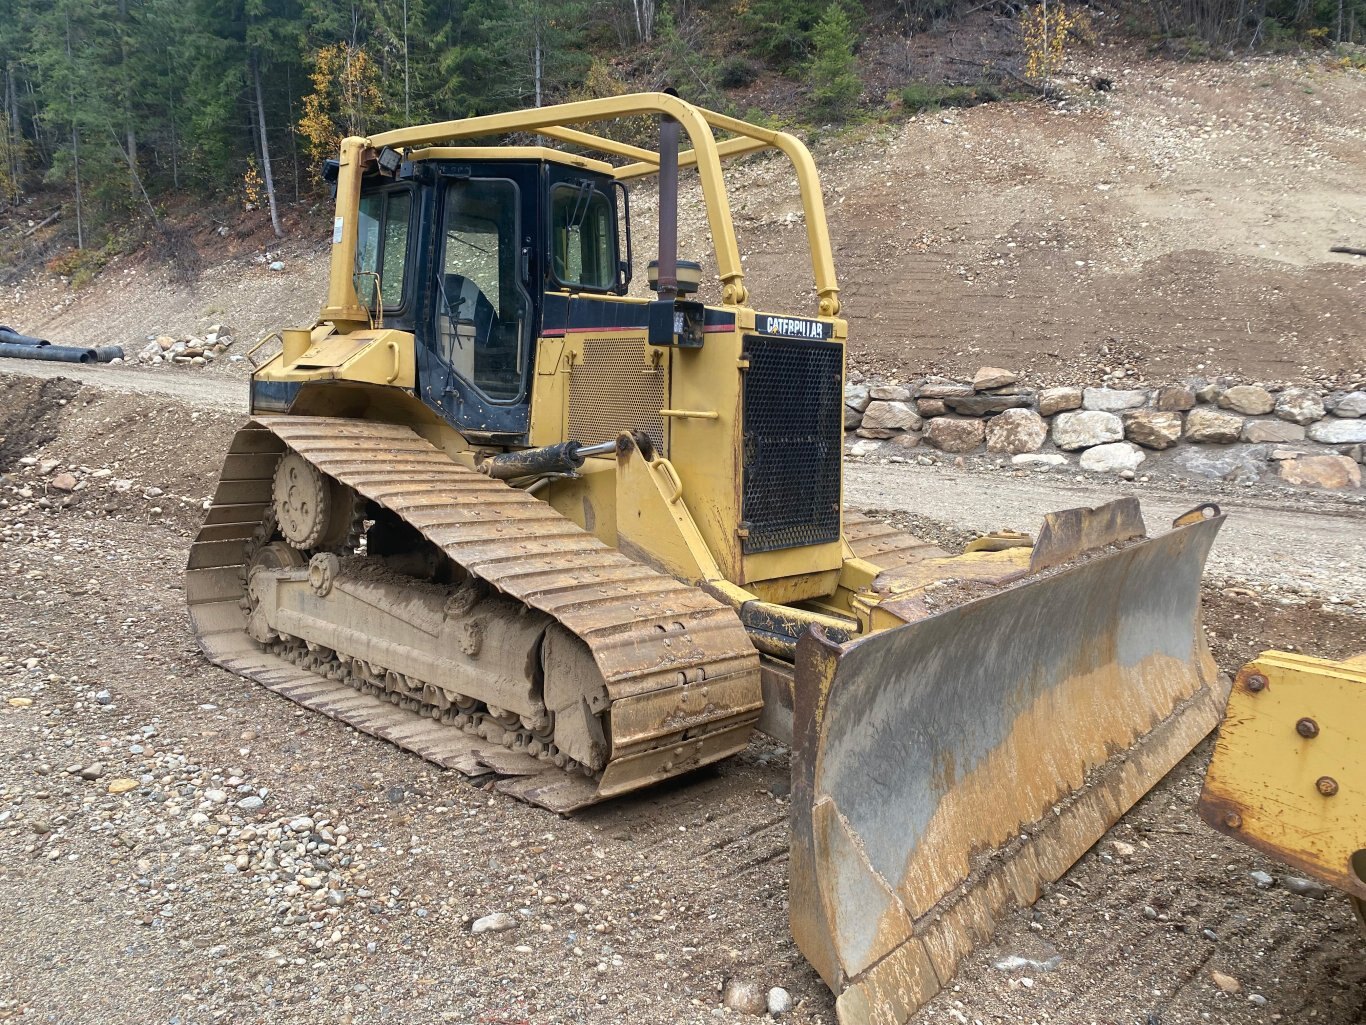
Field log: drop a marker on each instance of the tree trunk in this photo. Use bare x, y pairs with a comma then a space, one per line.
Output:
293, 135
407, 86
265, 147
127, 90
170, 102
538, 65
75, 149
76, 163
16, 146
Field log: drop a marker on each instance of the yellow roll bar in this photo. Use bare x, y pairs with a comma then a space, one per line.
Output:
556, 123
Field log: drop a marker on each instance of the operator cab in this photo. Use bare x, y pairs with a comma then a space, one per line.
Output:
469, 254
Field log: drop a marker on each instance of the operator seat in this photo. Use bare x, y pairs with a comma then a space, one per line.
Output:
465, 323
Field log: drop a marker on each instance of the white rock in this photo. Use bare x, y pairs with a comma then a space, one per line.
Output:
779, 1001
1039, 459
1112, 458
1338, 432
1112, 400
1351, 405
1072, 431
497, 922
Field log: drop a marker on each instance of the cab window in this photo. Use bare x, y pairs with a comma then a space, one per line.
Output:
481, 303
382, 247
582, 244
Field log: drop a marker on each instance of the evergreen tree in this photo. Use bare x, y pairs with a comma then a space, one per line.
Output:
833, 75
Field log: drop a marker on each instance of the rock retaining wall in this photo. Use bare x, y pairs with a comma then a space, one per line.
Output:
1217, 429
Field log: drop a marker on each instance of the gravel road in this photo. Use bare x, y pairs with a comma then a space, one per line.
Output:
202, 390
1299, 543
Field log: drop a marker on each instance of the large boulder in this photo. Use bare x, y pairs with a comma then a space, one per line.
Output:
1351, 405
1112, 458
1174, 398
1271, 432
1248, 399
856, 396
1112, 400
1153, 428
1321, 472
1338, 432
992, 377
1072, 431
1211, 427
1059, 400
941, 388
852, 418
985, 405
889, 393
1237, 463
1016, 431
891, 416
951, 434
1299, 406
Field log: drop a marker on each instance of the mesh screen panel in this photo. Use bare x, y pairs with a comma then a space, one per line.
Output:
793, 433
615, 390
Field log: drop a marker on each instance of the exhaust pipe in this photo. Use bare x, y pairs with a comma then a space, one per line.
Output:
668, 209
51, 353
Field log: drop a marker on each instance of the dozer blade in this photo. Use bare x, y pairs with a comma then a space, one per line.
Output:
945, 770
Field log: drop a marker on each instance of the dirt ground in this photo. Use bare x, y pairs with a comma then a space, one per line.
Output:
160, 904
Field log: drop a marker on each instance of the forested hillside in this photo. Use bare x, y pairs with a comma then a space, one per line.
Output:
117, 110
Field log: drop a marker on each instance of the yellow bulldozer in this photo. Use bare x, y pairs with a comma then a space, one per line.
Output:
499, 511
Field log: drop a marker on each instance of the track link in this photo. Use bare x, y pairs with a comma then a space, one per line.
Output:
681, 676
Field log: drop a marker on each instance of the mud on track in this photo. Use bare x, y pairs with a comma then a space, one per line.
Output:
123, 910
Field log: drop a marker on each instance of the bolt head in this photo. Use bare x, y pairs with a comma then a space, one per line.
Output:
1326, 785
1256, 682
1307, 728
1233, 820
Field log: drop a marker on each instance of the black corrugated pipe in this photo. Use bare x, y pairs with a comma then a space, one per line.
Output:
668, 208
52, 353
105, 353
9, 336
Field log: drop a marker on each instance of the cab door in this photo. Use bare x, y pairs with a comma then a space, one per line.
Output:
474, 356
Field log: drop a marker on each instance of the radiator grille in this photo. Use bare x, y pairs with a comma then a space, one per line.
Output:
793, 431
615, 390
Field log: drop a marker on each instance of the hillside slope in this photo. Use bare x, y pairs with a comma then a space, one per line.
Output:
1178, 224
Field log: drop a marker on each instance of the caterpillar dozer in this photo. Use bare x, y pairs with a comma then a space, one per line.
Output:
499, 511
1286, 777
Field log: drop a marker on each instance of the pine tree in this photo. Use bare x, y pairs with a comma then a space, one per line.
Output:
833, 75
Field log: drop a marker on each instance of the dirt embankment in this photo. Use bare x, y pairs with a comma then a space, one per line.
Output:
270, 865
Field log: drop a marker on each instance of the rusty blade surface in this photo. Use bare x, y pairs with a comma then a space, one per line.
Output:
944, 770
676, 662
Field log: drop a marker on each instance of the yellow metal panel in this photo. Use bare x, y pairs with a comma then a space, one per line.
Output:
590, 500
708, 452
654, 522
1288, 775
368, 357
